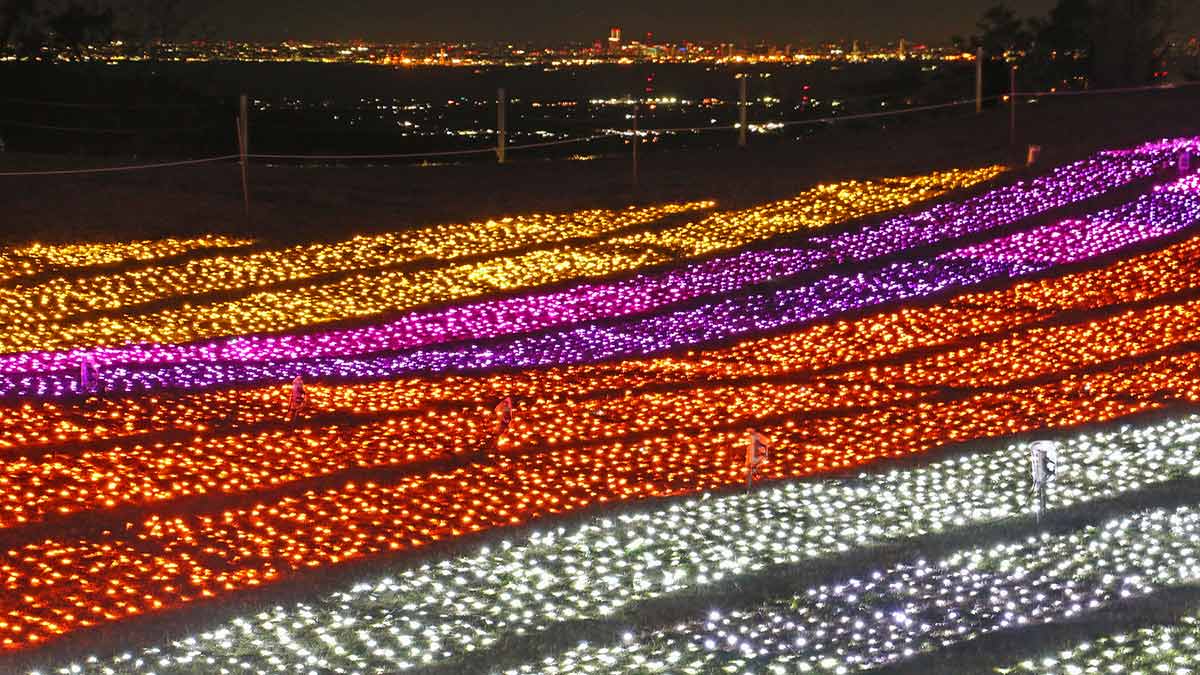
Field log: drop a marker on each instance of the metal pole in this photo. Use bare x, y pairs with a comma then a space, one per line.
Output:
637, 139
502, 125
244, 149
1041, 501
742, 113
1152, 193
979, 80
1012, 100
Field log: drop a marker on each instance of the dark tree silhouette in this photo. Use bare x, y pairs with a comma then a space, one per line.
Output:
21, 28
76, 27
1001, 32
1062, 45
1129, 39
1119, 42
1003, 37
1065, 29
146, 24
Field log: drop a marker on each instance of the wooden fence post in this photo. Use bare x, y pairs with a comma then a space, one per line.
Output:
742, 115
1012, 109
243, 134
979, 80
502, 125
637, 140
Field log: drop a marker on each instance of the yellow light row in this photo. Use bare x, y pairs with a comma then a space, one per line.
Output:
36, 258
57, 299
815, 208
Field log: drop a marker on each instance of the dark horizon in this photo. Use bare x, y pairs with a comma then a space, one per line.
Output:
550, 21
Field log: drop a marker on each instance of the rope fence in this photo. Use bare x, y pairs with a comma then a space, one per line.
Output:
1115, 90
885, 113
78, 130
245, 157
409, 155
97, 106
118, 169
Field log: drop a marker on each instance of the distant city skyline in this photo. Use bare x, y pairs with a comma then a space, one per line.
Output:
780, 21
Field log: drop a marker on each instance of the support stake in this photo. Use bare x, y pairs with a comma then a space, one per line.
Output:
637, 140
742, 116
1012, 107
502, 125
979, 80
243, 134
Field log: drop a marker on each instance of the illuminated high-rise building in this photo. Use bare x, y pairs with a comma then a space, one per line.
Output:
614, 39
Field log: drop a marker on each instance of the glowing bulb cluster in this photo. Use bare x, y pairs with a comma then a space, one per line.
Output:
221, 480
361, 294
22, 261
721, 276
725, 317
460, 605
57, 299
885, 616
1168, 649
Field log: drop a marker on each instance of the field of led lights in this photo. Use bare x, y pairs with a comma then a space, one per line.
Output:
221, 455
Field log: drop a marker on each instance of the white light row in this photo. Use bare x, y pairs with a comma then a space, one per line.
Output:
1170, 650
888, 615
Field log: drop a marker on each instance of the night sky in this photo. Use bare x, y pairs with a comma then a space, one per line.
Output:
780, 21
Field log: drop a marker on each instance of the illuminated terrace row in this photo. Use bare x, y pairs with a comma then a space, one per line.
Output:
21, 261
448, 609
995, 208
918, 607
1161, 212
1172, 649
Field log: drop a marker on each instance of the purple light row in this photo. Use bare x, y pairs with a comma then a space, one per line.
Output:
646, 292
1158, 213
